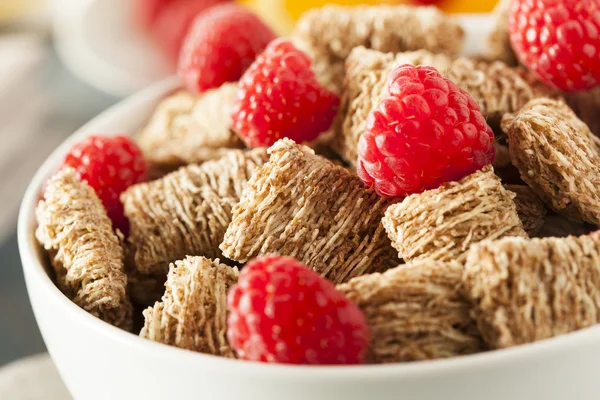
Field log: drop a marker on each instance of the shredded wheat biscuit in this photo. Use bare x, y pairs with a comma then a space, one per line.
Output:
187, 128
193, 312
415, 312
499, 47
84, 250
497, 88
330, 33
442, 224
304, 206
530, 208
185, 212
527, 290
558, 157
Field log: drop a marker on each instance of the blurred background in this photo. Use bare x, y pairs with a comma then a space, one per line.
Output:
63, 62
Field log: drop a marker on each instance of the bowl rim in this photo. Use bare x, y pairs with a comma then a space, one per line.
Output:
36, 272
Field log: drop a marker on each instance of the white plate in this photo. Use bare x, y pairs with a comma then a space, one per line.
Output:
98, 43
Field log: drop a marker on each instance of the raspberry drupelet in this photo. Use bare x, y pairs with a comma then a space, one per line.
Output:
221, 45
109, 164
279, 96
283, 312
425, 132
559, 40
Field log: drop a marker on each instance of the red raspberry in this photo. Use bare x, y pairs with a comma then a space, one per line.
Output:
109, 165
221, 45
283, 312
559, 40
425, 132
174, 22
279, 96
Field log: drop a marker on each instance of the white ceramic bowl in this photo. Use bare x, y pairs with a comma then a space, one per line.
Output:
100, 362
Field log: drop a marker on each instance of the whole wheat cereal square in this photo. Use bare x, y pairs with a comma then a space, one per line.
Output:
185, 212
558, 157
193, 312
188, 128
330, 33
442, 224
527, 290
497, 88
530, 208
85, 252
302, 205
416, 311
498, 42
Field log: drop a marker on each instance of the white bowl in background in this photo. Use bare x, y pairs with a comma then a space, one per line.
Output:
98, 42
100, 362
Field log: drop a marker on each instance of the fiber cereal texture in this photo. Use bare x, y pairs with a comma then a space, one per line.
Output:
188, 128
185, 212
193, 312
302, 205
558, 157
442, 224
84, 250
528, 290
416, 311
330, 33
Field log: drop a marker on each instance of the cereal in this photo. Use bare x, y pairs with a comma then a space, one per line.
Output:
530, 208
416, 311
187, 129
187, 211
84, 250
442, 224
330, 33
497, 88
499, 47
557, 156
527, 290
193, 312
304, 206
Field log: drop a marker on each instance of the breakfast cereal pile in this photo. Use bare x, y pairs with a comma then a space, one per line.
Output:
355, 193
